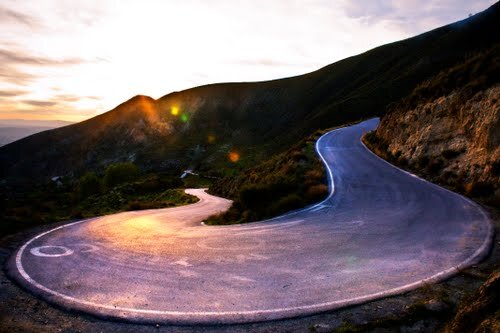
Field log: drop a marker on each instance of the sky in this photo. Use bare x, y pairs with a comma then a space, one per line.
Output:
72, 60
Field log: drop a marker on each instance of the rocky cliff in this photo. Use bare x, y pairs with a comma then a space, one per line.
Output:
448, 129
198, 128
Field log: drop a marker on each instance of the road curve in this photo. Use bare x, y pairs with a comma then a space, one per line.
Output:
381, 231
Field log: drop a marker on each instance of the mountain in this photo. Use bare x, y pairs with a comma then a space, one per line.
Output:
447, 129
15, 129
33, 123
198, 127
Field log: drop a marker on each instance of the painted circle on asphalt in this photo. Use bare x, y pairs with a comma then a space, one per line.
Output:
51, 251
249, 238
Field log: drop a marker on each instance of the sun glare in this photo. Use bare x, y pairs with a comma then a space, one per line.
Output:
234, 156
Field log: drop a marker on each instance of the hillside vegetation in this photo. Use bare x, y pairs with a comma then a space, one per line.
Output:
254, 139
198, 128
285, 182
120, 187
447, 129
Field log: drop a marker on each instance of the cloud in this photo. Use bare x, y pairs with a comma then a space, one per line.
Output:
15, 76
85, 12
8, 15
12, 93
26, 58
70, 98
59, 106
67, 98
56, 112
66, 50
265, 62
371, 9
39, 103
411, 16
95, 98
14, 62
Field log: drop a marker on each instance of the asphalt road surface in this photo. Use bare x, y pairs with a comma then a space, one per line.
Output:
381, 232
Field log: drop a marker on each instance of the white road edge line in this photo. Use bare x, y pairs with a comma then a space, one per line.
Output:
483, 250
485, 247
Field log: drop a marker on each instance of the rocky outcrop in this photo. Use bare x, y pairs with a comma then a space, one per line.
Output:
454, 140
480, 313
259, 119
448, 131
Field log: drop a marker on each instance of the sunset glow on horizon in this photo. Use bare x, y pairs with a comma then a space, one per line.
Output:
72, 60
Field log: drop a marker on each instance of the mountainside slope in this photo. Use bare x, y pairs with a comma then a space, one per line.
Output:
15, 129
198, 127
448, 128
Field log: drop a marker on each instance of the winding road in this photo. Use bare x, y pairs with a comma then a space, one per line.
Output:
380, 232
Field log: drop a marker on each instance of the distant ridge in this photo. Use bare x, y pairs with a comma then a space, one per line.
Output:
257, 118
15, 129
33, 123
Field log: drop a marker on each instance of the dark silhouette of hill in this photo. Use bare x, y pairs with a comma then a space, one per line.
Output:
199, 126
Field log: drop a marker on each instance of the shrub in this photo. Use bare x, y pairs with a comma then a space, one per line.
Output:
478, 189
141, 205
291, 201
231, 216
256, 196
434, 166
154, 184
76, 213
450, 153
495, 168
402, 161
273, 187
298, 155
253, 196
316, 192
315, 174
422, 161
89, 184
120, 173
448, 177
371, 137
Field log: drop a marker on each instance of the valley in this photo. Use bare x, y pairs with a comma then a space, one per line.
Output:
360, 197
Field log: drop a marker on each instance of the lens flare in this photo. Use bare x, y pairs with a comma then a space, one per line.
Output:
234, 156
211, 138
184, 117
174, 111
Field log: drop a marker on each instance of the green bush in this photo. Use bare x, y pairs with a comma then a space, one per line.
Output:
151, 183
120, 173
287, 203
89, 184
140, 205
317, 192
256, 196
287, 181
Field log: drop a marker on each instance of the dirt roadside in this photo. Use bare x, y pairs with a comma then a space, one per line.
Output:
424, 310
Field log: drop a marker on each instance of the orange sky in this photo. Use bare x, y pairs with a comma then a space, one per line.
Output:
72, 60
